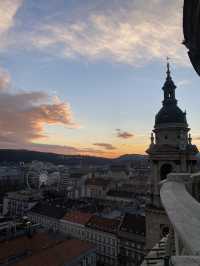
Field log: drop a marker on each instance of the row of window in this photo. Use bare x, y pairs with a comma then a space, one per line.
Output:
133, 245
45, 221
73, 230
101, 238
106, 250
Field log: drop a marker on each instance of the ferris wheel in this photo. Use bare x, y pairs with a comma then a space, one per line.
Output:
36, 176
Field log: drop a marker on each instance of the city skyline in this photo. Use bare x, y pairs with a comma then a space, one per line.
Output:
86, 78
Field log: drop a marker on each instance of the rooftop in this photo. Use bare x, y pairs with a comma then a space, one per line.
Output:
49, 209
132, 223
121, 194
42, 250
78, 217
104, 224
27, 195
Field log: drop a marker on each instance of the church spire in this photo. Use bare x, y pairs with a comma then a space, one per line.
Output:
169, 87
168, 69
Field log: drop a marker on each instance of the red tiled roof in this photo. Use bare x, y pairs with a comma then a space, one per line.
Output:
104, 224
42, 250
58, 255
78, 217
20, 244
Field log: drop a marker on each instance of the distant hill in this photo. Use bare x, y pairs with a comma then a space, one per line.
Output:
132, 157
17, 156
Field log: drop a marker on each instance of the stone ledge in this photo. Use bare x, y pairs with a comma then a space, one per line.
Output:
186, 261
183, 212
179, 177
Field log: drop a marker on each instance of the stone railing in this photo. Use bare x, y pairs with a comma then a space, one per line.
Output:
182, 246
183, 211
157, 255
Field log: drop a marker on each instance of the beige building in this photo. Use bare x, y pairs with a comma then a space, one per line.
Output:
97, 187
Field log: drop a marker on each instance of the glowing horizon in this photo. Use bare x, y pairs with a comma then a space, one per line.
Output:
86, 78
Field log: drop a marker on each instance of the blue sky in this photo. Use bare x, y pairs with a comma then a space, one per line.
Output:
86, 76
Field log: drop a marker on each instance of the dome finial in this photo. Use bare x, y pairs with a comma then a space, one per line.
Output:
168, 67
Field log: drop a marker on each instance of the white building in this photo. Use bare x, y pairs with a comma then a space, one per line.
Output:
73, 224
47, 214
103, 233
20, 202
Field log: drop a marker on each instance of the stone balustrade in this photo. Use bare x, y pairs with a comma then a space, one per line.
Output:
183, 212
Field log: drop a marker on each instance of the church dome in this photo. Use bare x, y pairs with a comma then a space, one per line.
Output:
170, 114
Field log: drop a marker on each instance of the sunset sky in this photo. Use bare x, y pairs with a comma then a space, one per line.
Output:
85, 76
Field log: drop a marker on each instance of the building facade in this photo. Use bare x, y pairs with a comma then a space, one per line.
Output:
20, 202
102, 232
132, 240
171, 150
96, 187
48, 215
73, 224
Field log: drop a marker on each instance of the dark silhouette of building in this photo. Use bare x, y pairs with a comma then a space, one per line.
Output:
191, 30
171, 150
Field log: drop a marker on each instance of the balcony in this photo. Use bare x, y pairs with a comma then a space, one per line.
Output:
182, 247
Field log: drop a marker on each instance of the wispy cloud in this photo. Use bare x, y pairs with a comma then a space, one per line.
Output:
130, 32
124, 134
183, 83
8, 10
106, 146
133, 32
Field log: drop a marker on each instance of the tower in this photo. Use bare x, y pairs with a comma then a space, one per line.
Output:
171, 150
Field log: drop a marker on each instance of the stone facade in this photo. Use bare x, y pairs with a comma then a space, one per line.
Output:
157, 226
171, 150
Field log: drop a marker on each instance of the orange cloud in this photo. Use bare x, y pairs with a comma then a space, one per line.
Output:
4, 79
23, 115
106, 146
124, 134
